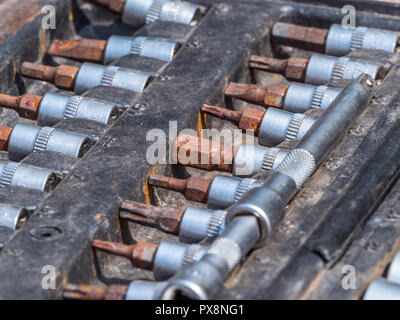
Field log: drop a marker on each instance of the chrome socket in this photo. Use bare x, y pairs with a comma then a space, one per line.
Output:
92, 75
394, 270
201, 280
200, 224
10, 216
251, 159
157, 48
322, 69
21, 175
55, 107
140, 12
171, 256
279, 125
381, 289
340, 41
26, 139
302, 97
145, 290
225, 191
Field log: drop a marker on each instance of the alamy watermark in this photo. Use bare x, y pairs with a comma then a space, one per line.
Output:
49, 21
49, 277
349, 277
349, 21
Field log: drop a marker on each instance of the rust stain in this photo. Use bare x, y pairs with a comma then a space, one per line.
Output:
147, 190
201, 123
83, 49
43, 41
307, 38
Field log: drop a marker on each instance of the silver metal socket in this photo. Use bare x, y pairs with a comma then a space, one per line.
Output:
279, 125
200, 224
26, 139
322, 69
381, 289
92, 75
394, 270
201, 280
145, 290
30, 177
239, 237
302, 97
11, 215
171, 256
225, 191
157, 48
55, 107
340, 41
140, 12
251, 159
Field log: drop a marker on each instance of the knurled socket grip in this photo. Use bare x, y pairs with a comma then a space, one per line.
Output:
250, 159
200, 224
171, 256
92, 75
301, 97
54, 107
120, 46
340, 41
26, 139
30, 177
323, 69
140, 12
279, 125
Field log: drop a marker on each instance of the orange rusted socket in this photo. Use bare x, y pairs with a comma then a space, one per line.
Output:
307, 38
62, 76
166, 219
26, 105
266, 96
247, 119
83, 49
141, 254
114, 5
194, 189
204, 154
292, 68
5, 133
85, 292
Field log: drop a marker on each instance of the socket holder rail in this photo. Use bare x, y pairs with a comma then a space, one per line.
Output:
349, 201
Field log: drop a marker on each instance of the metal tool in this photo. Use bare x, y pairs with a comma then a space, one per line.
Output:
218, 193
272, 126
30, 177
298, 97
164, 259
381, 289
140, 12
244, 161
12, 216
192, 225
337, 41
137, 290
116, 47
319, 69
260, 210
24, 139
88, 76
53, 107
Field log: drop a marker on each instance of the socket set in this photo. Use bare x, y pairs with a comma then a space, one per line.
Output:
297, 199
